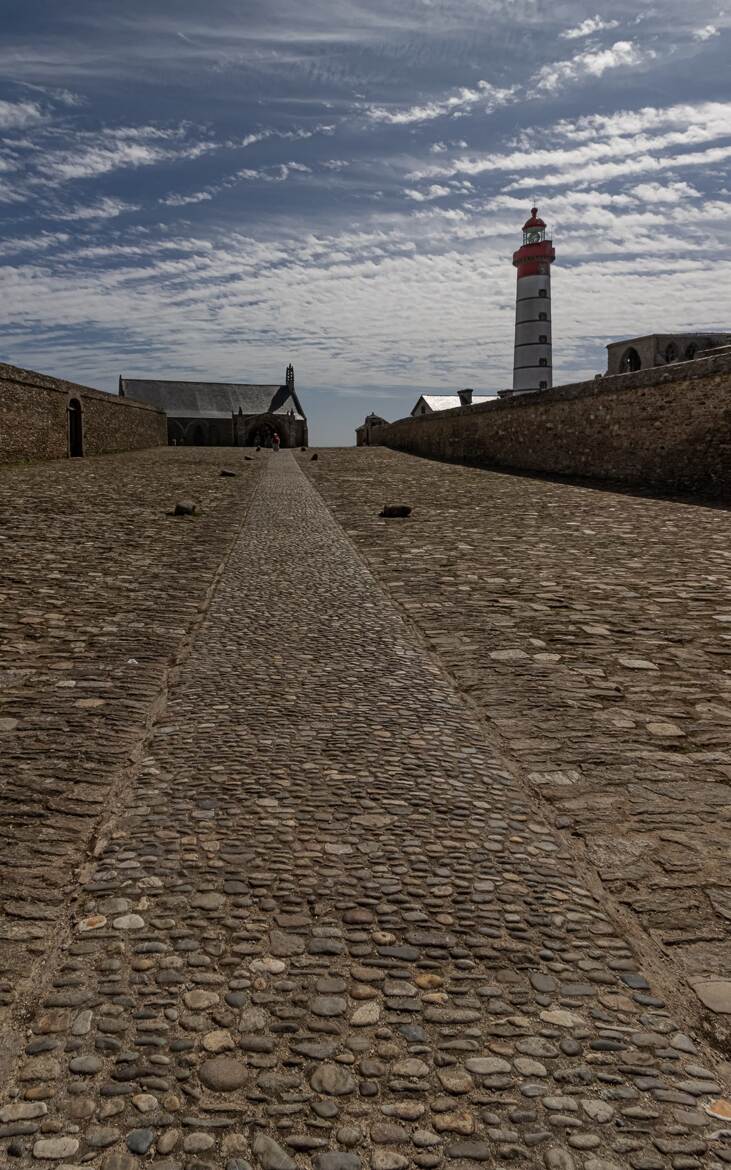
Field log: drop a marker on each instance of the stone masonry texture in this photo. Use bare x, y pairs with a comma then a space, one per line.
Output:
592, 630
325, 925
666, 428
99, 588
34, 423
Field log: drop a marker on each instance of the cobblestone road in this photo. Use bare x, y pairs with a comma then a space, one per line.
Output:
99, 588
593, 629
325, 926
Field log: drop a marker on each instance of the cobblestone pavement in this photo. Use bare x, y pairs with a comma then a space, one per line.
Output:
99, 588
593, 629
326, 927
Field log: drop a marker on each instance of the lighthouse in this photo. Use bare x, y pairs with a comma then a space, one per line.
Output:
532, 366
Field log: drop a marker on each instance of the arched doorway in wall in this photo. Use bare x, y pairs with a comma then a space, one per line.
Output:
76, 429
199, 436
261, 432
671, 353
176, 433
630, 361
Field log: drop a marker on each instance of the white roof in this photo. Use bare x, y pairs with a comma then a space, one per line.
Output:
442, 401
450, 401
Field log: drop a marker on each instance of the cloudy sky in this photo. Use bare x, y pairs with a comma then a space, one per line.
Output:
214, 190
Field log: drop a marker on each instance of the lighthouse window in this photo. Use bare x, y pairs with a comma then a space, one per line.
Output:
543, 316
543, 385
543, 337
543, 361
542, 292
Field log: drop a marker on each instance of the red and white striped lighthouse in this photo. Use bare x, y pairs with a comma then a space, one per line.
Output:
533, 366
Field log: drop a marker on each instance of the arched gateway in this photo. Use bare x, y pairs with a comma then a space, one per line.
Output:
76, 429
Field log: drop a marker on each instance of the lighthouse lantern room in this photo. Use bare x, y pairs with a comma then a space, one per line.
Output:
532, 367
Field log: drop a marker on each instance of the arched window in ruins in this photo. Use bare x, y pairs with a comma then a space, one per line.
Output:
630, 360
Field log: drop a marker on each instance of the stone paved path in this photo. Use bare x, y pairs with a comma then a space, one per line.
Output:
99, 589
325, 927
593, 631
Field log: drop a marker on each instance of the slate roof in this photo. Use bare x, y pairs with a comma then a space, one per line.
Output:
211, 399
371, 418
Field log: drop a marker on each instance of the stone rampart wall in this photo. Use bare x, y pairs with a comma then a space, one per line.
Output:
34, 418
666, 429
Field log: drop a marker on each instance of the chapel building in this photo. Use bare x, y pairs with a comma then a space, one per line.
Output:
224, 414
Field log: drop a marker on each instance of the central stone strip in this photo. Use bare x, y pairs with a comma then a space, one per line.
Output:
329, 926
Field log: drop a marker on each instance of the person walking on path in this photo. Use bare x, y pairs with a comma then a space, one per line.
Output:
275, 441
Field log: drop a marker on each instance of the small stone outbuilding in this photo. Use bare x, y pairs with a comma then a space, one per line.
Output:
364, 432
224, 414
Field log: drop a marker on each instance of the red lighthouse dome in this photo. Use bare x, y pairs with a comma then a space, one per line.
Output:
536, 251
535, 221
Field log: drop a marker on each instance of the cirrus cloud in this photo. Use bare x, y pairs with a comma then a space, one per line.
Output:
19, 115
488, 97
592, 24
592, 63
